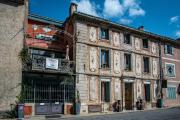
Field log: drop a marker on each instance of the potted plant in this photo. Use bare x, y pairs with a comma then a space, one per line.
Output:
77, 103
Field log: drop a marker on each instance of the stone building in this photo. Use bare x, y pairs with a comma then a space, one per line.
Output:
12, 16
114, 62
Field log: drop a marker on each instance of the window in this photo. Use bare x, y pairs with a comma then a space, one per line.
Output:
104, 33
105, 91
127, 38
171, 92
145, 43
147, 92
146, 64
127, 60
170, 70
105, 62
169, 49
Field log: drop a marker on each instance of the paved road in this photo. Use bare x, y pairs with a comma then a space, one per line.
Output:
161, 114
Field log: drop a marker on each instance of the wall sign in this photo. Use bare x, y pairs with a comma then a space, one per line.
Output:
51, 63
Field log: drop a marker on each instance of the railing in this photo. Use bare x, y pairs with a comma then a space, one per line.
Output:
43, 63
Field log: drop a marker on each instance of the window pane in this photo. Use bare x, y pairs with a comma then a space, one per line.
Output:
145, 43
104, 33
105, 59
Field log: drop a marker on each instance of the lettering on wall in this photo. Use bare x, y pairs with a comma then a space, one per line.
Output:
93, 89
93, 59
116, 62
92, 34
138, 64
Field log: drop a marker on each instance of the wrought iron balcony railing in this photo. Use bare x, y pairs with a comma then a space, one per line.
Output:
47, 64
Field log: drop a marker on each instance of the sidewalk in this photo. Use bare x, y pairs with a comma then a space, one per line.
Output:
44, 117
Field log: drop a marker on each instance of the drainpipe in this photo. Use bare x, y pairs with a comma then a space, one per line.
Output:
161, 75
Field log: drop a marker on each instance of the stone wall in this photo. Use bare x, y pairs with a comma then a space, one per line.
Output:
11, 42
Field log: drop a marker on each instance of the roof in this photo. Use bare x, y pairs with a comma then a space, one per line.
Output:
102, 20
45, 19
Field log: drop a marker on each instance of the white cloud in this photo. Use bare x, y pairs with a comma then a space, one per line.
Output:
174, 19
129, 3
133, 7
87, 7
178, 33
125, 21
112, 8
136, 12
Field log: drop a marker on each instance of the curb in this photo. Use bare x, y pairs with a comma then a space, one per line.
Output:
97, 114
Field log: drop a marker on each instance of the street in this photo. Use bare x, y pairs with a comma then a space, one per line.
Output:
161, 114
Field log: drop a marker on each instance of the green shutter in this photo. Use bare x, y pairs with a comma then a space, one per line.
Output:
171, 92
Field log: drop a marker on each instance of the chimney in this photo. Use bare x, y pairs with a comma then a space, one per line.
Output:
72, 8
141, 28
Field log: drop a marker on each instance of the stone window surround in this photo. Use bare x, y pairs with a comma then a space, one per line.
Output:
167, 63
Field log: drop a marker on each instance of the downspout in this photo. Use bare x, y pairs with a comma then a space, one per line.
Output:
161, 72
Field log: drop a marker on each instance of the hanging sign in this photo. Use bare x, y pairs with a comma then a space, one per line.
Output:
52, 63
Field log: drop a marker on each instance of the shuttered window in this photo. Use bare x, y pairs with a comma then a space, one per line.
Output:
168, 49
171, 92
170, 70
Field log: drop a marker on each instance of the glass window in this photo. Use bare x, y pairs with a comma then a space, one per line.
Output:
146, 64
145, 43
169, 49
127, 60
127, 38
105, 62
104, 33
170, 70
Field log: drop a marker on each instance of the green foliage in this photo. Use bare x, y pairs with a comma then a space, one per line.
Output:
24, 56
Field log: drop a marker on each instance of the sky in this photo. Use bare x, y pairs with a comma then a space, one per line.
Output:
158, 16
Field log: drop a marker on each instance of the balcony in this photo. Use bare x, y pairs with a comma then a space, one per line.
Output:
47, 64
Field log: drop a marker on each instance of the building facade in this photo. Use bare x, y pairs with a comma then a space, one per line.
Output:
113, 62
48, 80
12, 16
171, 67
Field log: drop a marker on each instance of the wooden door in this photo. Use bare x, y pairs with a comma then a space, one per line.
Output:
128, 96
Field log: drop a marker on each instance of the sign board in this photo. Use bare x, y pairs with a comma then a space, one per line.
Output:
52, 63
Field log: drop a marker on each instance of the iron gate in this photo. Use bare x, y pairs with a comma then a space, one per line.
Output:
48, 93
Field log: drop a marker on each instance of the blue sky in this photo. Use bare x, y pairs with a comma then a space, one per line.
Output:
157, 16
